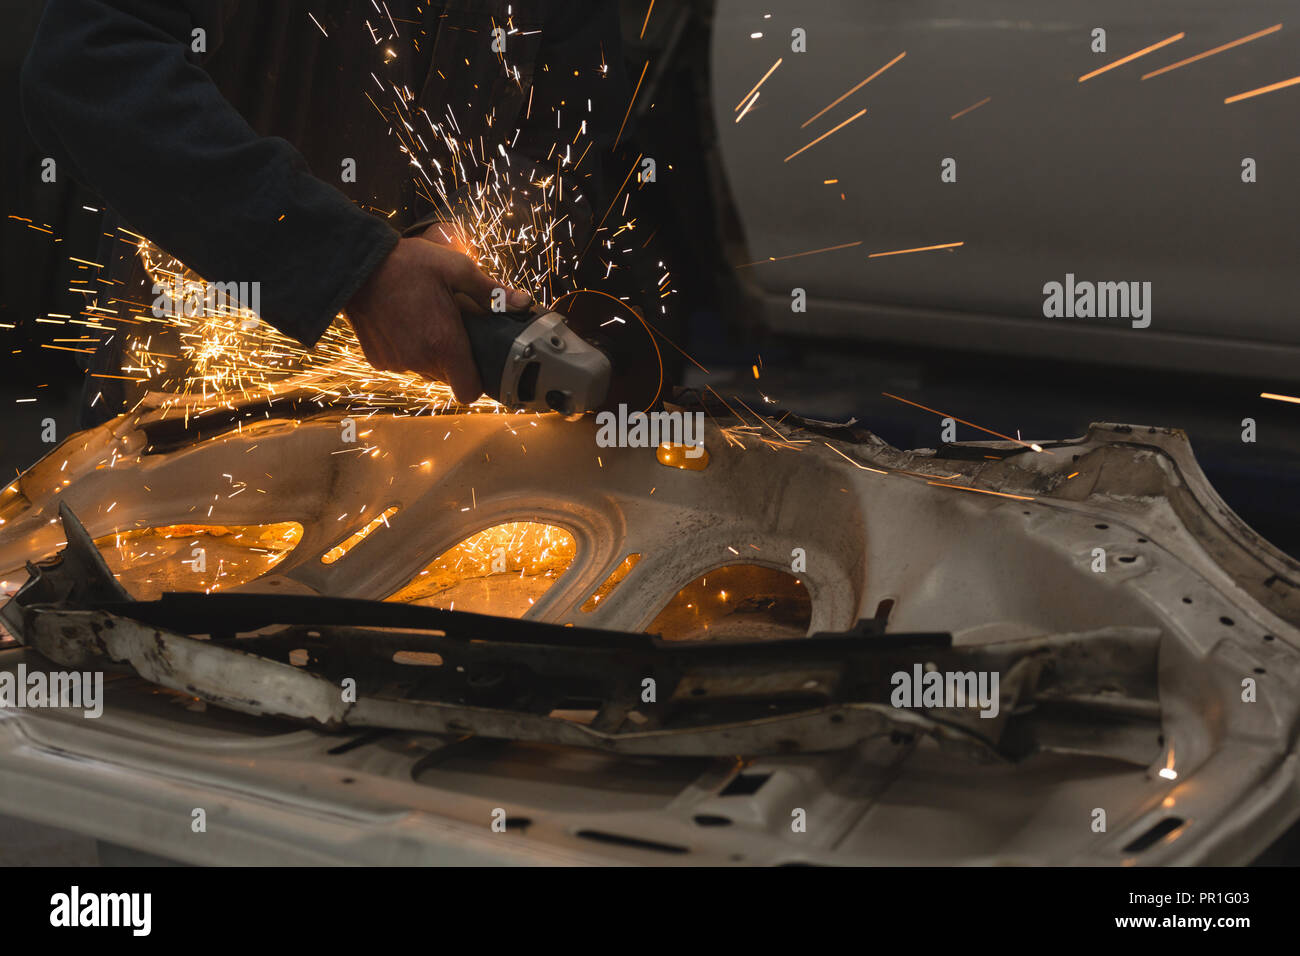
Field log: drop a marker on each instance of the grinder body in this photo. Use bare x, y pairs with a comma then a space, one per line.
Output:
533, 361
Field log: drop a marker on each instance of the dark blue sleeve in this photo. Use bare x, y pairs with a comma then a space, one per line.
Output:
110, 91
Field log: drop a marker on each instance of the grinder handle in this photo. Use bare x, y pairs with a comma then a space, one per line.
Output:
491, 336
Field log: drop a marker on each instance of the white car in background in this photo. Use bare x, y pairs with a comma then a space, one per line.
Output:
1122, 177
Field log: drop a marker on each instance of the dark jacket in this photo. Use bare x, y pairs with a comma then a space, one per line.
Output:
215, 155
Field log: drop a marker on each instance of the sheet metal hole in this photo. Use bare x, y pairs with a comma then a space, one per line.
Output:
737, 602
883, 610
418, 658
501, 570
616, 839
1155, 834
351, 541
149, 561
610, 583
745, 784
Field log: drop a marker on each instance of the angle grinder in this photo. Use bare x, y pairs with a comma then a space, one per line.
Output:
587, 352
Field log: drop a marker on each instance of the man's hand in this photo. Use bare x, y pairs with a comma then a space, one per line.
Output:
407, 318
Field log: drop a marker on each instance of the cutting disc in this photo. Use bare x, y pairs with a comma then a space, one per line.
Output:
637, 378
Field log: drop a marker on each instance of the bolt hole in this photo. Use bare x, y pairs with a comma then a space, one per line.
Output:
698, 691
744, 785
1269, 637
1187, 600
1260, 670
1226, 621
1101, 527
883, 610
1127, 558
710, 820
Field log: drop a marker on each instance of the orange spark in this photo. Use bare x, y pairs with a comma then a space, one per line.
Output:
744, 98
845, 96
1217, 49
982, 491
1263, 89
855, 464
629, 104
796, 255
1133, 56
1031, 445
833, 129
752, 101
899, 252
969, 108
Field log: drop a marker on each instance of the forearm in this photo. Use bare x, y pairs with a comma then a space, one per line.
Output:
109, 91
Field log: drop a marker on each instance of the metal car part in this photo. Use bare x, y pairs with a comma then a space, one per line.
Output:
1192, 605
501, 678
